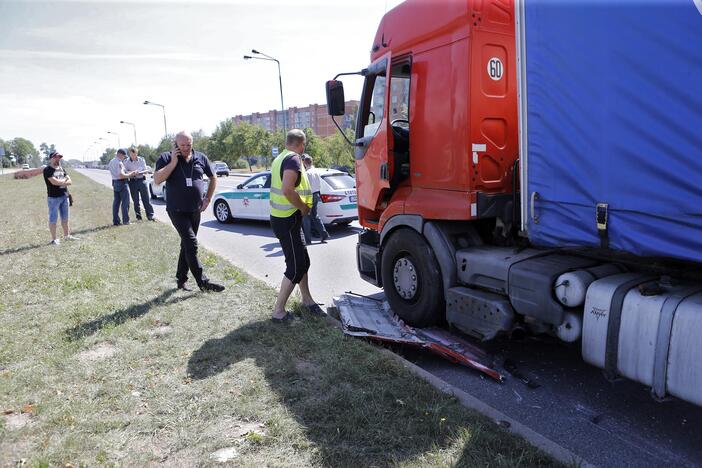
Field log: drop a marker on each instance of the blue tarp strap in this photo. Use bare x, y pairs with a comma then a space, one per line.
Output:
602, 216
615, 323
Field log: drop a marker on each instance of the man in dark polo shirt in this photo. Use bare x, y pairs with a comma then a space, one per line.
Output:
183, 171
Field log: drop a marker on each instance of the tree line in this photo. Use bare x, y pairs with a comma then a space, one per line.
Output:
246, 146
240, 145
24, 152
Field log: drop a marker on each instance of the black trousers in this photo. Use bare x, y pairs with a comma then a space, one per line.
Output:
187, 224
292, 240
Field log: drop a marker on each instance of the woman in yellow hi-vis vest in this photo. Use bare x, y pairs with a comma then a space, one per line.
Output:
291, 199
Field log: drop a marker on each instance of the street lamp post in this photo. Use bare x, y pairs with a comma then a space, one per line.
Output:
133, 128
280, 81
163, 108
97, 148
119, 142
86, 152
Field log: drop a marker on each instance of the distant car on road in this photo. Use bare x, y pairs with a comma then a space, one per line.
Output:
25, 166
221, 168
250, 200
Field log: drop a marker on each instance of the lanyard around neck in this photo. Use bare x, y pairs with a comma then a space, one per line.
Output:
192, 166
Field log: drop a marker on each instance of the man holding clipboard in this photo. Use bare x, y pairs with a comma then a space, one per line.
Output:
137, 184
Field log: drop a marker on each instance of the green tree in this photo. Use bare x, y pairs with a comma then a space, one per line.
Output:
148, 153
338, 152
5, 160
108, 155
201, 141
314, 145
23, 150
164, 146
46, 149
258, 144
222, 144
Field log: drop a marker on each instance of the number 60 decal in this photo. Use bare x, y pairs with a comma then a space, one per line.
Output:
495, 69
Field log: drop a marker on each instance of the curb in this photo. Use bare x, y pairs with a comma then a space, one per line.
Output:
536, 439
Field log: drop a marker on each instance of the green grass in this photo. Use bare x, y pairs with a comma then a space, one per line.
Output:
120, 369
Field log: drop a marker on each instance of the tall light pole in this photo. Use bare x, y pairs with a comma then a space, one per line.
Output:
119, 142
163, 108
86, 152
280, 81
133, 128
97, 148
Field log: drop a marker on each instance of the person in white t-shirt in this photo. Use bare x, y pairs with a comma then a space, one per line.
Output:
312, 219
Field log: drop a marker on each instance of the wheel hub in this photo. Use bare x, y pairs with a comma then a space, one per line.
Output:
405, 278
222, 212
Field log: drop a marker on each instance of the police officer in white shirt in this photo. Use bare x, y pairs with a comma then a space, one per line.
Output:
137, 184
312, 219
120, 186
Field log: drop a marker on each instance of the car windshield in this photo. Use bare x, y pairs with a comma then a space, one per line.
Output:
221, 166
340, 181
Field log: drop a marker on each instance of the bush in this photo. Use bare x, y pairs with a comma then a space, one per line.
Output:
240, 164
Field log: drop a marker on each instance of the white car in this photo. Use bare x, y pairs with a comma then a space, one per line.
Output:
156, 190
250, 200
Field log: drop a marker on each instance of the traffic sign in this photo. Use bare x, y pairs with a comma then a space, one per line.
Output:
274, 151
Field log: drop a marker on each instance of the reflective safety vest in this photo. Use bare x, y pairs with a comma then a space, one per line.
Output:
280, 206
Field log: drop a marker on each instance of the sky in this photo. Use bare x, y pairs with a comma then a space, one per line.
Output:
71, 71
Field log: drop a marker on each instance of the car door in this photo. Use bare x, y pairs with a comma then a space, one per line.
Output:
253, 197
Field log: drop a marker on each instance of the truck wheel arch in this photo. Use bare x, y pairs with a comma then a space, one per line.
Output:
415, 222
438, 236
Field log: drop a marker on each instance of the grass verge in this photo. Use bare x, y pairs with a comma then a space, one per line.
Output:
104, 363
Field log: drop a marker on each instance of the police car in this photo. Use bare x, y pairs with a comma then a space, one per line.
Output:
250, 199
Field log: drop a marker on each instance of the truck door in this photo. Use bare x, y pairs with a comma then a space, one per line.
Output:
373, 136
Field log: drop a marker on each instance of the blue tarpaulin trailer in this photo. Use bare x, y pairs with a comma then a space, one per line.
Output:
611, 125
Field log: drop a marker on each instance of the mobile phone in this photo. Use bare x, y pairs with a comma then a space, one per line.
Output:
177, 149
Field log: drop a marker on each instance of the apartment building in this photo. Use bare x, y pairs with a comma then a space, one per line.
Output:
313, 116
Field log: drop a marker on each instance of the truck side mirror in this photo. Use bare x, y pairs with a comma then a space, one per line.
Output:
335, 98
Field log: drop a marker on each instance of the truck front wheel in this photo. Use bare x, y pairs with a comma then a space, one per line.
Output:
412, 279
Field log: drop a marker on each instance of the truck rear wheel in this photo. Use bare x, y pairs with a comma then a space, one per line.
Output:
412, 279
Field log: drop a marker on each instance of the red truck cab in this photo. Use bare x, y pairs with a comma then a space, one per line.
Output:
437, 126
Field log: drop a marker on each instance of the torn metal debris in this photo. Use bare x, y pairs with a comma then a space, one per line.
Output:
372, 318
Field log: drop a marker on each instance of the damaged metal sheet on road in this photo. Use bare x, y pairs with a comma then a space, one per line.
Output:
371, 318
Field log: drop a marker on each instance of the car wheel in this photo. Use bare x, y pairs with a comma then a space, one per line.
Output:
222, 212
412, 279
151, 192
163, 195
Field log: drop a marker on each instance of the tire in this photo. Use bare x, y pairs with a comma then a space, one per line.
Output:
222, 212
151, 192
412, 279
163, 194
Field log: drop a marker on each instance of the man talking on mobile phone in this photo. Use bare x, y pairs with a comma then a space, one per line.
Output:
183, 170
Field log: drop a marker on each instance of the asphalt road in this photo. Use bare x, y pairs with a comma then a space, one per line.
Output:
550, 389
252, 246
